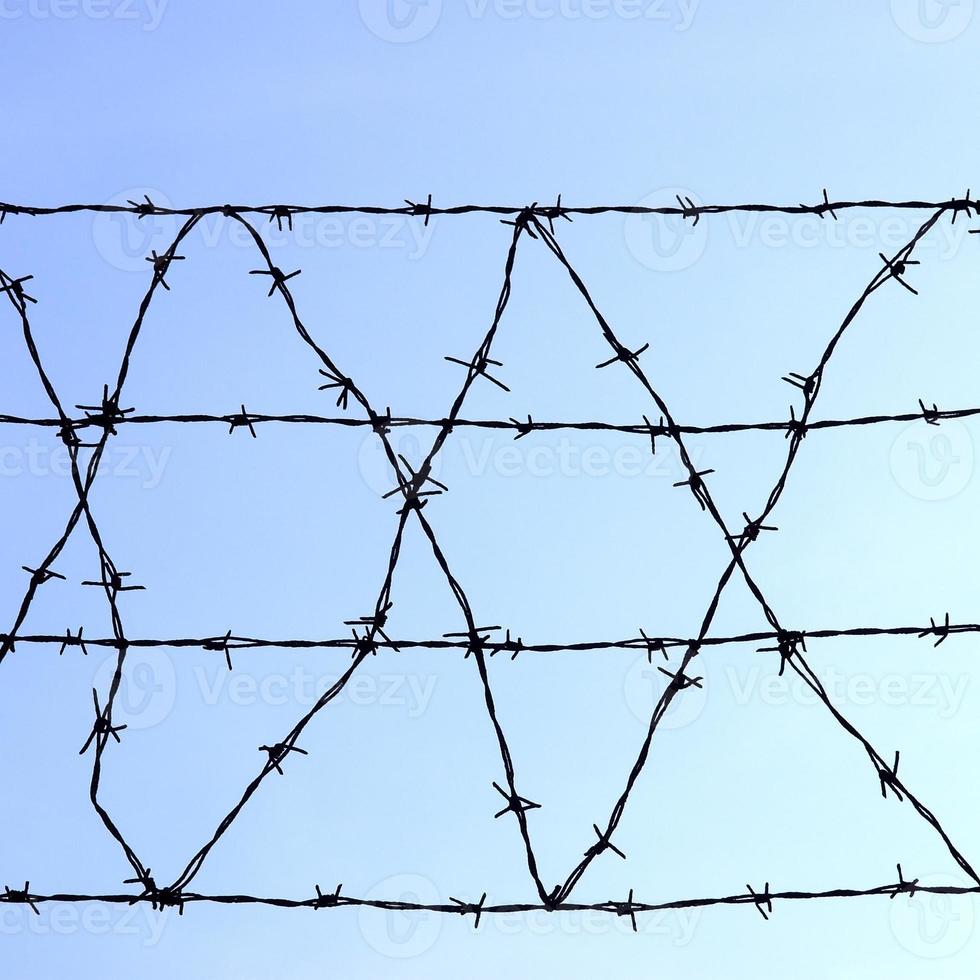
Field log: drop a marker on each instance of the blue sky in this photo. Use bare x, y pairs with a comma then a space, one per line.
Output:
561, 536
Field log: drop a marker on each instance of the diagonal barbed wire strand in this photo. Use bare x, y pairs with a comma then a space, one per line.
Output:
110, 579
412, 492
679, 680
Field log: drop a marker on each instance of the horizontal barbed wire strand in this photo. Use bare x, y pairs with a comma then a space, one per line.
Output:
648, 643
428, 210
929, 415
623, 908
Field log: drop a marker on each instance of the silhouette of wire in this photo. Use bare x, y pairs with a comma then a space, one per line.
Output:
416, 485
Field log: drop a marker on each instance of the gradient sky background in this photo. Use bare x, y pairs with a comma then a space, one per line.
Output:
559, 536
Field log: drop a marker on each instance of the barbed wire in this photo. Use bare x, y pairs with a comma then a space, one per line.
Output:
762, 900
684, 208
414, 485
932, 415
936, 632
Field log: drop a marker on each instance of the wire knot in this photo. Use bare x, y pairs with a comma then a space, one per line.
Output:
280, 214
380, 424
508, 645
113, 580
625, 355
71, 640
821, 209
903, 886
161, 263
279, 278
421, 210
41, 575
788, 645
629, 907
107, 413
16, 289
697, 486
143, 208
278, 752
931, 415
688, 209
471, 908
344, 385
553, 213
376, 622
889, 779
754, 528
220, 644
524, 220
328, 901
21, 896
479, 366
654, 645
241, 421
806, 383
680, 680
477, 639
940, 630
514, 802
160, 898
794, 426
523, 428
896, 268
965, 205
413, 487
763, 901
603, 844
103, 726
